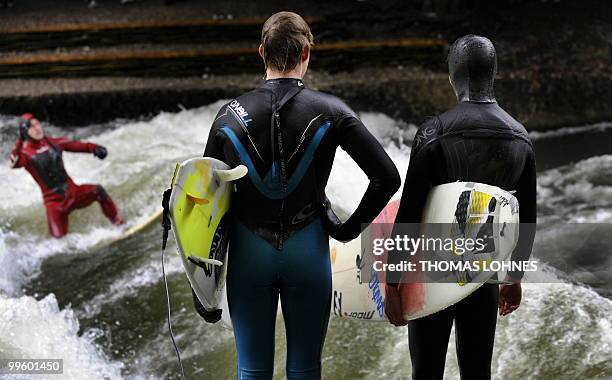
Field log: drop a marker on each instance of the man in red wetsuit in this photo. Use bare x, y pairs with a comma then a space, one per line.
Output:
41, 156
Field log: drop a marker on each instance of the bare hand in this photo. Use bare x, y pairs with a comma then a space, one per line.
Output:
393, 306
509, 298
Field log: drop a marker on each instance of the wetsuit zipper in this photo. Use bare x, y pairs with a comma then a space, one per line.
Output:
276, 132
283, 176
281, 227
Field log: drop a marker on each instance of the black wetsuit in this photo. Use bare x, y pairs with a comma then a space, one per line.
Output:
479, 142
287, 137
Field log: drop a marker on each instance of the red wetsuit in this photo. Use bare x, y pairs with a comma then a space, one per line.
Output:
43, 160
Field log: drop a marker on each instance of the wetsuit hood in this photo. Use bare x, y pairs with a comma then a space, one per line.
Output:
24, 125
472, 65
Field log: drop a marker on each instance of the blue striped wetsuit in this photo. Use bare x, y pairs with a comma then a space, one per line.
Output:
287, 136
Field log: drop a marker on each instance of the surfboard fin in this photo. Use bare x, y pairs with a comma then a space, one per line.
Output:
198, 200
232, 174
199, 261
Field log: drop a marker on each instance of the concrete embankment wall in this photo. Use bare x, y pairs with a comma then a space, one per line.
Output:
549, 103
74, 66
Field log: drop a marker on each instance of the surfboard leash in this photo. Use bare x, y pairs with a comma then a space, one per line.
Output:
166, 225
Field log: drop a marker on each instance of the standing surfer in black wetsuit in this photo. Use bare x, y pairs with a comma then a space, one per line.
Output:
287, 136
474, 141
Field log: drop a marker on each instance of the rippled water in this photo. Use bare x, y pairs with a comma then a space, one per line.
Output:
102, 307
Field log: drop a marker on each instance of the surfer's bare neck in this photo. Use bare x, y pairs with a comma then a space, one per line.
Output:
274, 74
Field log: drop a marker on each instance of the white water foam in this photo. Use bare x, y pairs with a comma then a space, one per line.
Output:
130, 284
136, 176
32, 329
139, 166
580, 192
560, 329
568, 131
141, 160
347, 182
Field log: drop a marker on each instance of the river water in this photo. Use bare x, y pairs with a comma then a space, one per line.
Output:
102, 307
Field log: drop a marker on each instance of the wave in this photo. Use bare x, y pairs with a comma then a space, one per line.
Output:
568, 131
139, 166
38, 329
560, 327
579, 192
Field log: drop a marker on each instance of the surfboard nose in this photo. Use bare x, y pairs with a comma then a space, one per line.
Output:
233, 174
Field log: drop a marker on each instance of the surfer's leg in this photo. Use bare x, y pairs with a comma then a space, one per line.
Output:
428, 342
475, 320
108, 206
57, 219
87, 194
305, 299
252, 295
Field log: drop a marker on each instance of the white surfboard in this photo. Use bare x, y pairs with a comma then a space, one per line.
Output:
353, 295
226, 320
453, 204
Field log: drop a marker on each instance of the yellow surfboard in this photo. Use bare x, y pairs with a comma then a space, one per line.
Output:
200, 199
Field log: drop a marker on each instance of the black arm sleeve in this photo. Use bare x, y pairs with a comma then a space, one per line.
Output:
416, 188
366, 151
426, 159
214, 148
526, 195
214, 144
